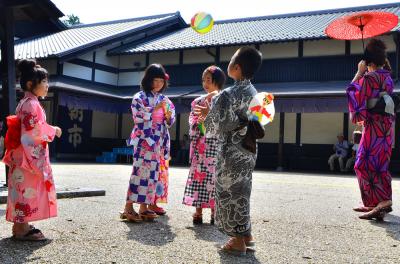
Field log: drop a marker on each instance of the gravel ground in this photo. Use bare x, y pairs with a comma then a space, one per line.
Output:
297, 218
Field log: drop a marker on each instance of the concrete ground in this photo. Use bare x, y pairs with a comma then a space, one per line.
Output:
297, 218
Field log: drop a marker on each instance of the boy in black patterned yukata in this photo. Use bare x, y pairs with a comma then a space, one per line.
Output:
224, 119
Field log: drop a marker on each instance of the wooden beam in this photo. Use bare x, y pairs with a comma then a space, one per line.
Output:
15, 3
94, 66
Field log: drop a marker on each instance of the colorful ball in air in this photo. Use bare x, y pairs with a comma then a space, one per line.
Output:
202, 22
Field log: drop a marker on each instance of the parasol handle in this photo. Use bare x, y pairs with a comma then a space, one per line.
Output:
361, 27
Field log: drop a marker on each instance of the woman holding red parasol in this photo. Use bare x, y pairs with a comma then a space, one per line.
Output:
371, 82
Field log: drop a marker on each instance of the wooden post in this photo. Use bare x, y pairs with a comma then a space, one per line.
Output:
298, 129
346, 126
177, 135
347, 49
7, 62
300, 51
7, 65
281, 140
120, 117
396, 39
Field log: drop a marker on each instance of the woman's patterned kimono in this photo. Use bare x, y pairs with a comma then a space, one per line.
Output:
31, 190
151, 149
235, 164
200, 186
373, 156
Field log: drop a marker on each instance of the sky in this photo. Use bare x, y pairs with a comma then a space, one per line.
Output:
91, 11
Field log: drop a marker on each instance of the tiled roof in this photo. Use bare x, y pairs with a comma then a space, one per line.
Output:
84, 36
309, 25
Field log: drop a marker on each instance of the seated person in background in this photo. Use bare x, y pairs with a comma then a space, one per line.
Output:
356, 139
340, 149
183, 152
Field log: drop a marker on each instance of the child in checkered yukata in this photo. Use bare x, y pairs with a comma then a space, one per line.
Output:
153, 114
200, 186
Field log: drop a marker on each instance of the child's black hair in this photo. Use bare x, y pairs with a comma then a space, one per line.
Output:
249, 59
217, 76
154, 71
30, 71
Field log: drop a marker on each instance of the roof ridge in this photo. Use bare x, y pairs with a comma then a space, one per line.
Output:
309, 13
124, 20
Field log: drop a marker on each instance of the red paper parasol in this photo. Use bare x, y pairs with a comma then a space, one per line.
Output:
362, 25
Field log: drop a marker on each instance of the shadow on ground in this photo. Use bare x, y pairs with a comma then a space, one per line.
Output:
156, 233
226, 258
207, 232
391, 224
2, 212
13, 251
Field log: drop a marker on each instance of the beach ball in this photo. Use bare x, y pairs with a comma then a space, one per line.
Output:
202, 22
262, 108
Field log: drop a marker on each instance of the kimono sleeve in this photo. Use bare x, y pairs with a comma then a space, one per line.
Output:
35, 133
357, 98
172, 109
192, 117
222, 116
140, 113
34, 127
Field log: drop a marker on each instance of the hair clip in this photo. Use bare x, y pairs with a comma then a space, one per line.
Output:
166, 77
212, 69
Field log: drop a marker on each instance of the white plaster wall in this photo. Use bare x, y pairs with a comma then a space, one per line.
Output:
356, 45
77, 71
49, 65
272, 131
198, 56
104, 125
280, 50
290, 128
320, 128
226, 53
106, 77
130, 78
165, 58
323, 47
127, 125
127, 61
102, 58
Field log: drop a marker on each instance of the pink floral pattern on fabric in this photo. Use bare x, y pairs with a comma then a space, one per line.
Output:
200, 186
31, 190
